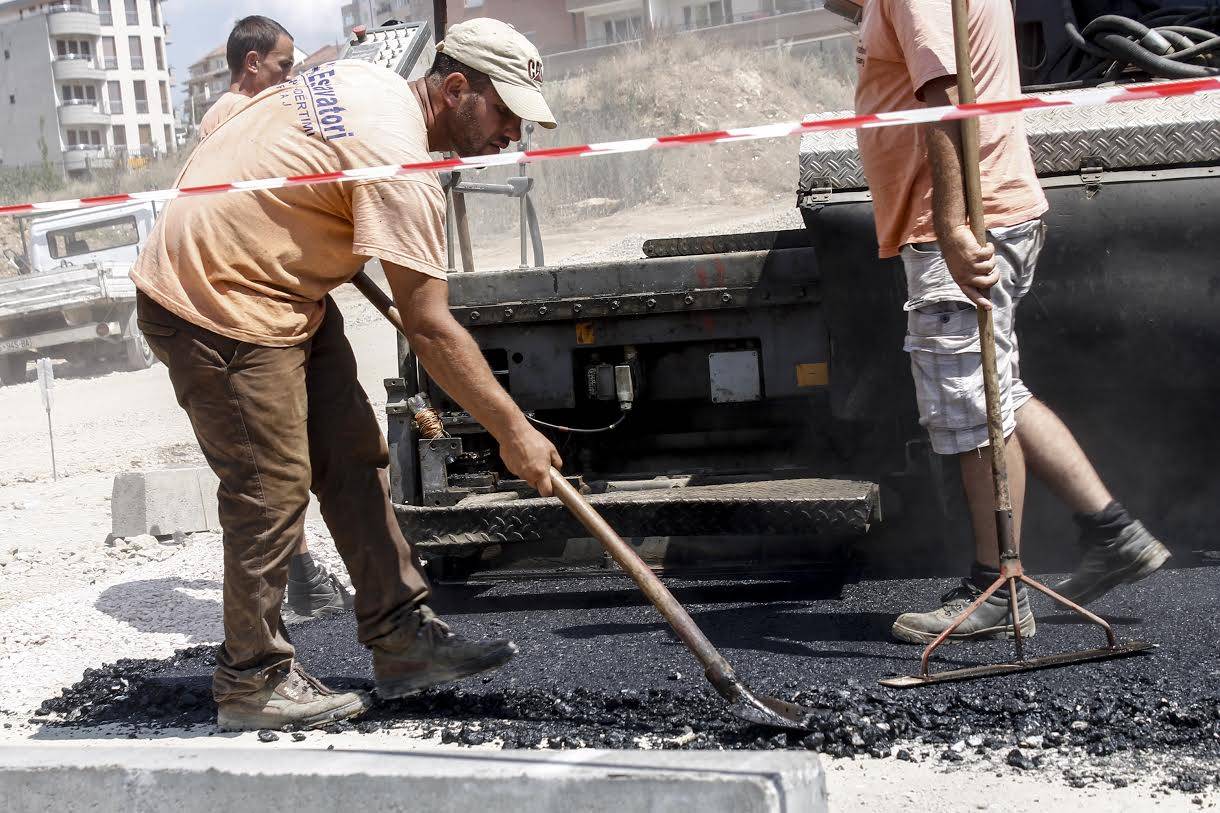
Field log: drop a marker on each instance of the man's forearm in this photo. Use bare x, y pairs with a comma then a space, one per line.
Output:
453, 360
945, 160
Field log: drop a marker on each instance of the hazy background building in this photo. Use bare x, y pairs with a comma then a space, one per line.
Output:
84, 84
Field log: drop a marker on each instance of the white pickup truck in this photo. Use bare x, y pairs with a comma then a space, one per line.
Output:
72, 296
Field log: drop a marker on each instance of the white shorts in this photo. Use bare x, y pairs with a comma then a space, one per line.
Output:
943, 338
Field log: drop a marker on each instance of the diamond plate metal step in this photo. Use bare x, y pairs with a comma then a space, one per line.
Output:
828, 509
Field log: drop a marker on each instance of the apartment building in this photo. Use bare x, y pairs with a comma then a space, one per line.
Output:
84, 83
372, 12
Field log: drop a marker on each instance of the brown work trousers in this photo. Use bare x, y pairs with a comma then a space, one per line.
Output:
274, 424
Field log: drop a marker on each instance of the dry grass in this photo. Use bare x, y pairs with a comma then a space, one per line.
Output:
642, 93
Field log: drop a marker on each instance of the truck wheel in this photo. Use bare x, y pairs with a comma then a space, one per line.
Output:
12, 369
135, 347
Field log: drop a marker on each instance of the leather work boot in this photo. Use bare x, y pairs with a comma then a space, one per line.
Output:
991, 620
1132, 555
297, 699
423, 652
324, 595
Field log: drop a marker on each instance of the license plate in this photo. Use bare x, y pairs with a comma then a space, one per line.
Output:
9, 345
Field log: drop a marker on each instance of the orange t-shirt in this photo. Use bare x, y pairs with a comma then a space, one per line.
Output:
904, 44
255, 266
224, 107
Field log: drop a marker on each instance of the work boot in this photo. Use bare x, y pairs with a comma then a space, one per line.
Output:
1132, 555
991, 620
297, 699
423, 652
322, 595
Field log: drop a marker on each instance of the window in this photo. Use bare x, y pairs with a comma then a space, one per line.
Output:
136, 49
133, 14
73, 49
169, 137
703, 15
625, 29
110, 61
12, 98
145, 136
103, 9
155, 5
78, 94
114, 92
120, 136
159, 47
165, 108
83, 139
141, 96
74, 241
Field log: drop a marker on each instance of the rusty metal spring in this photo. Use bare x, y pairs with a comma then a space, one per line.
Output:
429, 423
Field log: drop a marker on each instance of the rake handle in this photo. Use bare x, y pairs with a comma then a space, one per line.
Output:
973, 185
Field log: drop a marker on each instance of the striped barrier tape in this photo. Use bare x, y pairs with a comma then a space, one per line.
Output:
1085, 98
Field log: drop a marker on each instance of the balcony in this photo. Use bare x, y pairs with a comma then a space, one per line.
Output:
73, 19
110, 63
77, 67
137, 63
83, 113
86, 157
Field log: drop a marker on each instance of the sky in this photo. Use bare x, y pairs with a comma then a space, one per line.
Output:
198, 26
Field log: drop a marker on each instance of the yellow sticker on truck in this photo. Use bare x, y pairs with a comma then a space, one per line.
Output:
813, 375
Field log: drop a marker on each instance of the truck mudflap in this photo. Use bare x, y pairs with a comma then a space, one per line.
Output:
827, 509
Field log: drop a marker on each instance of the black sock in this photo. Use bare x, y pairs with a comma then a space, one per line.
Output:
1104, 526
982, 576
301, 568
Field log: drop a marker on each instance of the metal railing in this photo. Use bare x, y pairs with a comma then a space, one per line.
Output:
137, 63
107, 18
141, 105
74, 102
781, 7
116, 107
62, 8
111, 63
73, 57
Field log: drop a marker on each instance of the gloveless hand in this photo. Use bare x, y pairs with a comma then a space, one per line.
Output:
972, 266
528, 454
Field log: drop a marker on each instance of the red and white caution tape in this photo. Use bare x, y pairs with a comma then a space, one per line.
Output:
1086, 98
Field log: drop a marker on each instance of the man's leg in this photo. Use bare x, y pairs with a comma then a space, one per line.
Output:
1117, 548
247, 406
1055, 458
411, 648
946, 363
980, 496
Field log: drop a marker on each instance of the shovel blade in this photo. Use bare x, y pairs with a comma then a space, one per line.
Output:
770, 712
995, 669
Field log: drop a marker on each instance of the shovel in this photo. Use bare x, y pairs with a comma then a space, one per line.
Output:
743, 703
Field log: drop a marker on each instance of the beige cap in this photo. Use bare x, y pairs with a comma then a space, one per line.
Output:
513, 63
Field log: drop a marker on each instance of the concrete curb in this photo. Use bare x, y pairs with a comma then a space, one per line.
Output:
66, 779
163, 501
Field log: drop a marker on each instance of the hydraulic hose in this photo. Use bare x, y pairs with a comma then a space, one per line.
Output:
1154, 64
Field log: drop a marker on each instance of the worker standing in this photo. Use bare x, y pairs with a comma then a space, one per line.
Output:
233, 298
906, 60
260, 55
